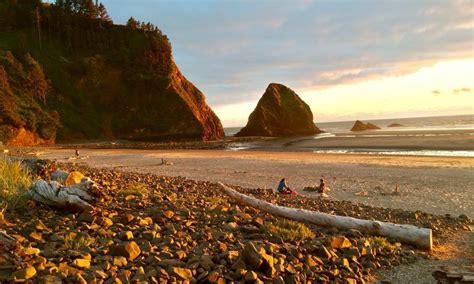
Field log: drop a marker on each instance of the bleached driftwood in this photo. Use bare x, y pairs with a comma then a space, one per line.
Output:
409, 234
54, 194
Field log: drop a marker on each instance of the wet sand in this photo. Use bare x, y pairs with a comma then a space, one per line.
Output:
458, 140
440, 185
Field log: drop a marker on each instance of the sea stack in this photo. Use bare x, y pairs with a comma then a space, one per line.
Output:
279, 113
360, 126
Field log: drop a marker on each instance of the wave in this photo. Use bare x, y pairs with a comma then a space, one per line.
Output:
396, 152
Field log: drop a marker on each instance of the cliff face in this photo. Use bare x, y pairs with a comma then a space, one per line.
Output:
280, 112
90, 79
360, 126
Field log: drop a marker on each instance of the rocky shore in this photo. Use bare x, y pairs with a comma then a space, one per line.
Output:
159, 229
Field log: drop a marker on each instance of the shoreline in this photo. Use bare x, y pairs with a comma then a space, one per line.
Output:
439, 185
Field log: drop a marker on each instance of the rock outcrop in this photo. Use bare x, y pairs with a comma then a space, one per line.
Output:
279, 113
360, 126
395, 124
104, 81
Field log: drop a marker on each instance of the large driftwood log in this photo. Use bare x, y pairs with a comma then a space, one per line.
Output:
54, 194
409, 234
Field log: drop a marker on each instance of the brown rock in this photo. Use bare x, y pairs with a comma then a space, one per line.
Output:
126, 236
182, 273
24, 274
251, 276
360, 126
168, 214
130, 250
280, 112
394, 125
50, 279
86, 217
340, 242
81, 263
119, 261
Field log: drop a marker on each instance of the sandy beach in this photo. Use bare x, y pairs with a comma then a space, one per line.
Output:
440, 185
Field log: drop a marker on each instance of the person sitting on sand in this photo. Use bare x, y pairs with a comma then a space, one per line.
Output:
322, 188
283, 187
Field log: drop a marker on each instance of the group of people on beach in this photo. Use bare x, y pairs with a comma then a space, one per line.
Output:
283, 188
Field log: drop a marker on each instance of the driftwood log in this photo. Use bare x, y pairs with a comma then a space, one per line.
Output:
408, 234
54, 194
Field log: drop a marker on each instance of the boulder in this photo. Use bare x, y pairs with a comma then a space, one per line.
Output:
360, 126
279, 113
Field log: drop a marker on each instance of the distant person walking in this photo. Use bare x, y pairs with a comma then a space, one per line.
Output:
77, 153
283, 188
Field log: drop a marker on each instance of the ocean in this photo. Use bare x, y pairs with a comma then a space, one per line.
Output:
425, 136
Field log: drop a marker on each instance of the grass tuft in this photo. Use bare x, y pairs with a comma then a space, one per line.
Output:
381, 243
14, 183
137, 189
75, 241
288, 230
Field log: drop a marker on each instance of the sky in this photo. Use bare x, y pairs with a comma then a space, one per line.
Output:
348, 60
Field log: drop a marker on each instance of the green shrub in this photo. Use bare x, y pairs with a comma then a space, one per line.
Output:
14, 183
288, 230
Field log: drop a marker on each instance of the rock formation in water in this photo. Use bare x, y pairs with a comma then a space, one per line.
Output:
395, 125
280, 112
87, 78
360, 126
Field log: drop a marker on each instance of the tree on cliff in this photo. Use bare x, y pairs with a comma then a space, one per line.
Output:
36, 81
133, 24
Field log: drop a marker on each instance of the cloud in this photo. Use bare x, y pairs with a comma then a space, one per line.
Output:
232, 49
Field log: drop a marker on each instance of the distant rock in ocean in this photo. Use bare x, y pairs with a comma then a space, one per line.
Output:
360, 126
279, 113
395, 125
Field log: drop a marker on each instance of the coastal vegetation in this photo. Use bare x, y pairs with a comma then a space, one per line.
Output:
68, 73
15, 181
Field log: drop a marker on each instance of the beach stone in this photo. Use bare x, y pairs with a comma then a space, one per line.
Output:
258, 259
278, 280
168, 214
127, 218
130, 250
79, 279
24, 274
251, 276
81, 263
31, 251
139, 275
50, 279
251, 256
40, 226
182, 273
36, 236
126, 236
145, 221
86, 217
340, 242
